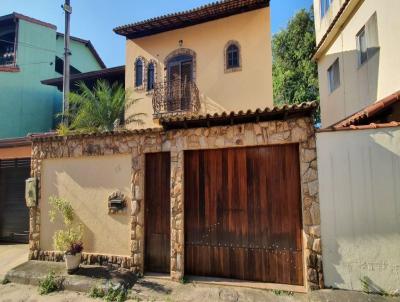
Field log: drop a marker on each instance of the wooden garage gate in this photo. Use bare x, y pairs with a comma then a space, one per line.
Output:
243, 214
14, 214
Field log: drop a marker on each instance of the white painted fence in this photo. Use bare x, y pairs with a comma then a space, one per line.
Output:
359, 175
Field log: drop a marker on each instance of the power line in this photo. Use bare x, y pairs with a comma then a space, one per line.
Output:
30, 46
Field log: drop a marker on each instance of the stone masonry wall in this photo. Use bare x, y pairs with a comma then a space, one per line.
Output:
138, 143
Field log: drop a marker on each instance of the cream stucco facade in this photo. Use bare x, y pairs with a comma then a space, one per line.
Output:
86, 183
360, 84
359, 175
247, 88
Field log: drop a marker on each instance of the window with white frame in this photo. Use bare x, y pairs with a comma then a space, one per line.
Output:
334, 76
367, 40
325, 4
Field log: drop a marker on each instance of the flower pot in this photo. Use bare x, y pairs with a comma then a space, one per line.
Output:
72, 262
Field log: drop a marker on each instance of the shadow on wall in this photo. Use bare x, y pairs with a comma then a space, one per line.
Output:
358, 84
360, 208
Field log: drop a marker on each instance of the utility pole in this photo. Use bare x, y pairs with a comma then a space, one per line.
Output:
67, 53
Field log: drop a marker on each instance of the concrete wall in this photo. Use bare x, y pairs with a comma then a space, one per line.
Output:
26, 105
374, 80
359, 176
87, 183
249, 88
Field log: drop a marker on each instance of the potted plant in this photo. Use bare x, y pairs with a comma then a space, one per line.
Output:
68, 240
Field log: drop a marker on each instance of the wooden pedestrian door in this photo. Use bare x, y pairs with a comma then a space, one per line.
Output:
243, 214
157, 213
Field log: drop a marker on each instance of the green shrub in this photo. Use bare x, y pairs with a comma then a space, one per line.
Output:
72, 234
183, 280
5, 281
96, 292
49, 284
112, 293
282, 293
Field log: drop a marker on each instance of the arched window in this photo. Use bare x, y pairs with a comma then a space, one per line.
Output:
139, 72
150, 76
232, 56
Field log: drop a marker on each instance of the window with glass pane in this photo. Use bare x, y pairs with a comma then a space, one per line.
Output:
232, 56
150, 77
325, 4
334, 76
139, 73
362, 47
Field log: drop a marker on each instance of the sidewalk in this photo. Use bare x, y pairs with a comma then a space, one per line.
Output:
154, 288
12, 255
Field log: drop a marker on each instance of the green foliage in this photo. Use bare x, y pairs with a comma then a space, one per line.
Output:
63, 207
112, 293
96, 292
100, 109
49, 284
295, 75
5, 281
369, 287
282, 293
64, 239
183, 280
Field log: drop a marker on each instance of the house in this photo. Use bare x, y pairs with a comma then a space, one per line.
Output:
219, 185
356, 55
201, 61
359, 145
30, 51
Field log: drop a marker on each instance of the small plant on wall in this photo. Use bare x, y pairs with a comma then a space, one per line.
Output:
69, 239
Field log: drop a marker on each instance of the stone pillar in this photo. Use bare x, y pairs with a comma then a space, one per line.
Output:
177, 216
137, 215
311, 214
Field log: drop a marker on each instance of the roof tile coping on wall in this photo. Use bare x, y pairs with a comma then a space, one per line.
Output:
202, 14
354, 121
198, 121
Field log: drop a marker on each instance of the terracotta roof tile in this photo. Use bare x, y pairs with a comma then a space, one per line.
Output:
205, 13
354, 122
223, 118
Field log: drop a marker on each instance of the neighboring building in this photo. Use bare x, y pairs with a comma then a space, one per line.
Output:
207, 60
30, 51
359, 176
359, 147
357, 55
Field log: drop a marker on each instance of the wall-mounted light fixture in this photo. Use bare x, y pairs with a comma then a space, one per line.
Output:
180, 43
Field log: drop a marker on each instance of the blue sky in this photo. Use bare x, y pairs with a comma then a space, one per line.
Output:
95, 19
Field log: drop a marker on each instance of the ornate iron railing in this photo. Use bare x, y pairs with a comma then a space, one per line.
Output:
175, 97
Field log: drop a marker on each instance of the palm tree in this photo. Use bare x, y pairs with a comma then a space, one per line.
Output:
100, 109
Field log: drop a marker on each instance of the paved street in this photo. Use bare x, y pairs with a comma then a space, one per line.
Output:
162, 290
12, 255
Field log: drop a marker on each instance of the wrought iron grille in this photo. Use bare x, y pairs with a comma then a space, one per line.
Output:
176, 97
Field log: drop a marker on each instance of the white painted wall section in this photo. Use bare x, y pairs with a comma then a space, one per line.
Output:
359, 176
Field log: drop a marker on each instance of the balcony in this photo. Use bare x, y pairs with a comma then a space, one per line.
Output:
7, 58
175, 98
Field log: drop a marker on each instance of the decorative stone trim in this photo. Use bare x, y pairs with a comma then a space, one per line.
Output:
182, 51
142, 87
295, 130
87, 258
235, 69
